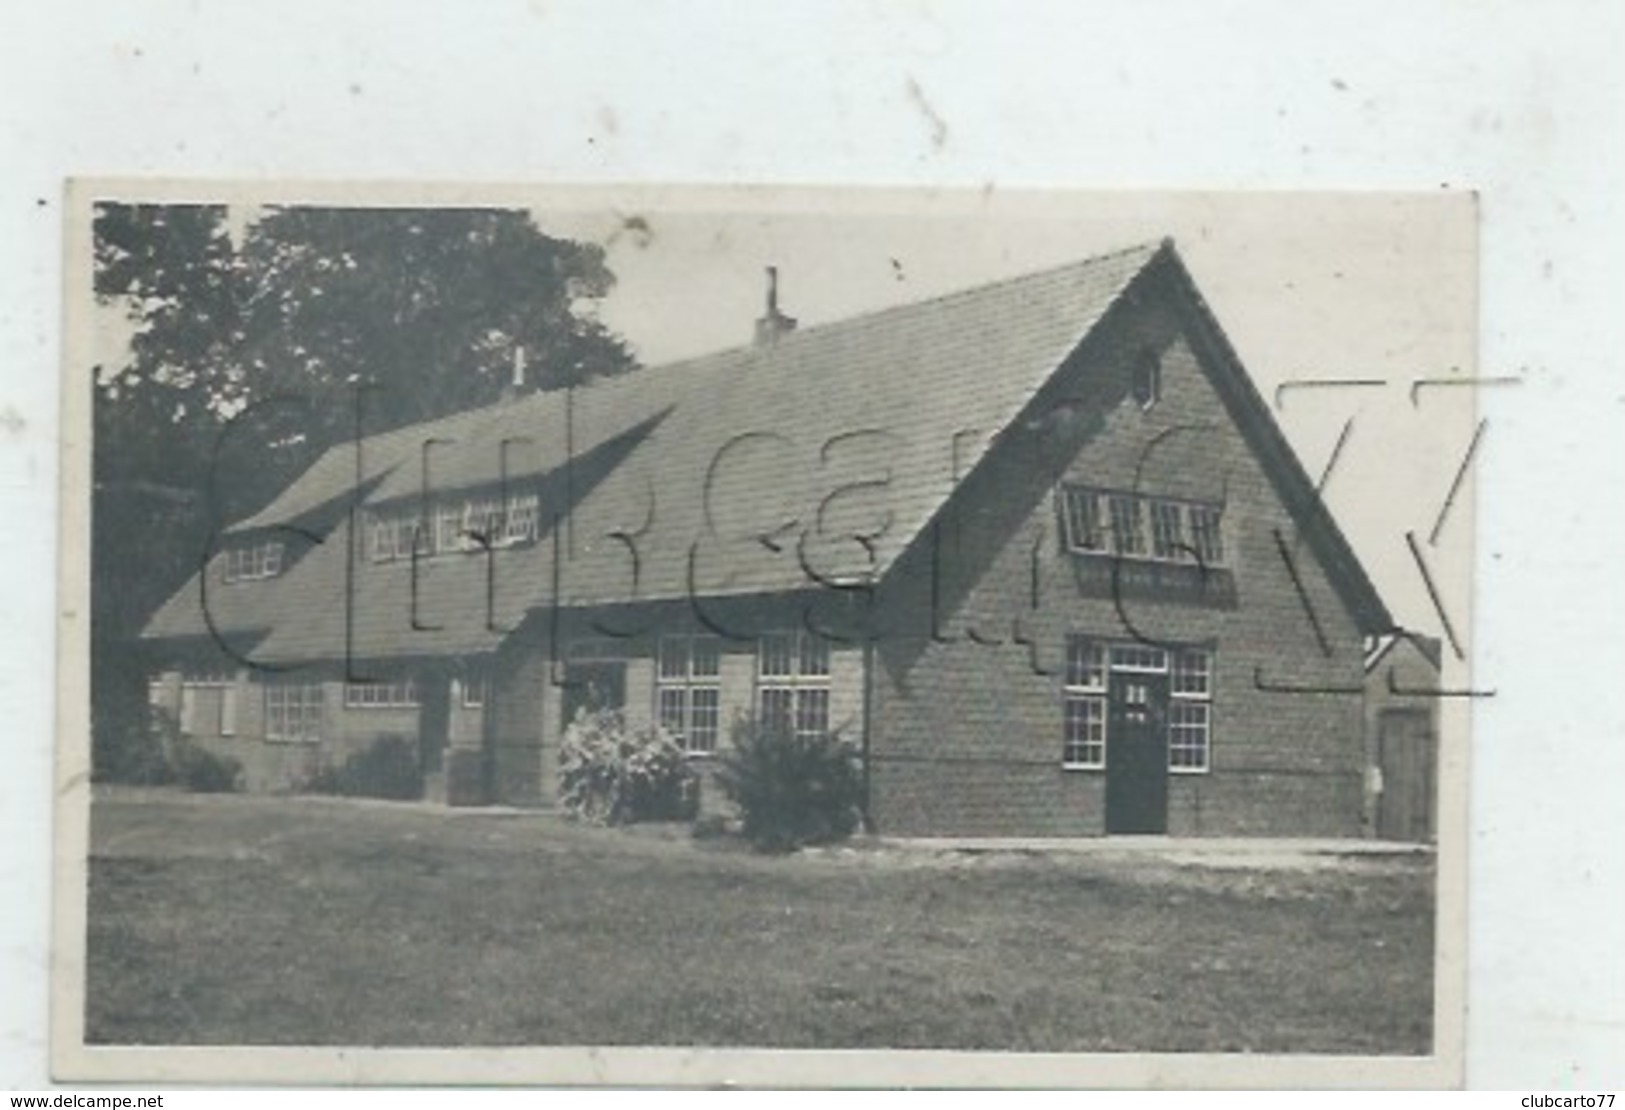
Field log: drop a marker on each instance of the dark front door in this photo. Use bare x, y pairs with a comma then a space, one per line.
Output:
1137, 753
592, 688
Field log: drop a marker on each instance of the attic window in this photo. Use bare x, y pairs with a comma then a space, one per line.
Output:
453, 523
1140, 527
1147, 379
255, 560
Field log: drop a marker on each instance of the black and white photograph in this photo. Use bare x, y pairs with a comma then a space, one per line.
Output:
937, 625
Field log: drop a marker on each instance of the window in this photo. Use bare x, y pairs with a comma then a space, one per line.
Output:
245, 562
189, 709
1205, 536
453, 523
1190, 690
209, 704
394, 535
484, 523
688, 693
1139, 657
1086, 689
523, 512
1084, 704
1191, 674
1147, 379
792, 683
228, 708
448, 528
1187, 736
1137, 526
1081, 519
1125, 513
293, 712
1167, 530
381, 530
381, 695
476, 688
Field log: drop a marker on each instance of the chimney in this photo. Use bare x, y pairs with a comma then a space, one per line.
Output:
773, 323
511, 391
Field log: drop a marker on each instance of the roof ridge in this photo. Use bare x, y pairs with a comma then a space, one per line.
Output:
1148, 247
605, 388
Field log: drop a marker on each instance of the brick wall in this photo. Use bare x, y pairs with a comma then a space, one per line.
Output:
272, 766
968, 722
522, 748
527, 702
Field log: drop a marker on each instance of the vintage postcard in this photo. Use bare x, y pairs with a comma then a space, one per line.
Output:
768, 637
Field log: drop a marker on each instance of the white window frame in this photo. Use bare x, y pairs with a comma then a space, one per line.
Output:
523, 518
1125, 514
1080, 519
1190, 691
1190, 671
1206, 533
399, 694
224, 706
1137, 527
228, 705
476, 691
1084, 687
381, 537
450, 523
484, 518
448, 528
252, 561
186, 712
1167, 527
678, 679
804, 687
305, 701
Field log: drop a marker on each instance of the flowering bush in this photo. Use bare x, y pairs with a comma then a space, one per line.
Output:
611, 775
791, 788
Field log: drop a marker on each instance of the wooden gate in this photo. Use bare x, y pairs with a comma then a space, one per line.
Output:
1408, 755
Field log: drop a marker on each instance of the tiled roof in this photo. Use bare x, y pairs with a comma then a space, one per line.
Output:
722, 471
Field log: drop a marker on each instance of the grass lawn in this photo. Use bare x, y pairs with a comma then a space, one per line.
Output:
244, 920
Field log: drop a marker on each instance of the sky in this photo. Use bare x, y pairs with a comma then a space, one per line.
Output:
1343, 286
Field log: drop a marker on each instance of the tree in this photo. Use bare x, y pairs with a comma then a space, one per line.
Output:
422, 311
427, 309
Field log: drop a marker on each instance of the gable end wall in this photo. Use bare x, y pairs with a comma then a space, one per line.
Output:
967, 732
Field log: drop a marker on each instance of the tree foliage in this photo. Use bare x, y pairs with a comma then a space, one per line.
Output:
278, 324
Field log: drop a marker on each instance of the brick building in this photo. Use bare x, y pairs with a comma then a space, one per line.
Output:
1038, 548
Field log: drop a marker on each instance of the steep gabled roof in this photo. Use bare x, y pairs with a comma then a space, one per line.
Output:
743, 472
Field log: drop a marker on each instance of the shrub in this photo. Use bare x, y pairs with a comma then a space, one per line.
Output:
136, 754
791, 789
200, 770
386, 768
711, 826
611, 775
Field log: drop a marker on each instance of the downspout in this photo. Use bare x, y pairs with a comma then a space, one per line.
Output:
868, 720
